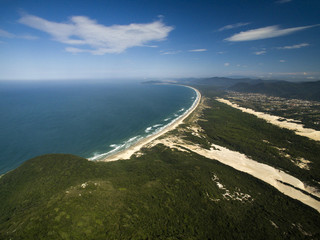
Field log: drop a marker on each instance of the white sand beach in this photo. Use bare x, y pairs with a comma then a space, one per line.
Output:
127, 153
284, 123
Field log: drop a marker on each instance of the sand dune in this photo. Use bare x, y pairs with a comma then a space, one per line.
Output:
241, 162
297, 128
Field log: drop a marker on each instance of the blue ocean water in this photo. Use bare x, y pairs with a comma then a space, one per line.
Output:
83, 118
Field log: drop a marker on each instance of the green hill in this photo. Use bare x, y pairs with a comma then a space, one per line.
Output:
164, 194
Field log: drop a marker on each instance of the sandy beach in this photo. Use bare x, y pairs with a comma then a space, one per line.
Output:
127, 153
287, 123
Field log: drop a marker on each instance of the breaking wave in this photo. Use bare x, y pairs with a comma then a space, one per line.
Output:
116, 148
149, 131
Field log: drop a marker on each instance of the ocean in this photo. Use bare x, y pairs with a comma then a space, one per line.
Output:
88, 119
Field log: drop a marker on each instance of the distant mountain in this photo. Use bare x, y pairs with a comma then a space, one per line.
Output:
221, 82
153, 82
300, 90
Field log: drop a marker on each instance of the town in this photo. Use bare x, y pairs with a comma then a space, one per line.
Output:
298, 110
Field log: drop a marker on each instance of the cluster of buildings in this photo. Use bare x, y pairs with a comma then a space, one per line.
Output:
298, 109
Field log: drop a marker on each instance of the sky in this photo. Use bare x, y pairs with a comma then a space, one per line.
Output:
164, 39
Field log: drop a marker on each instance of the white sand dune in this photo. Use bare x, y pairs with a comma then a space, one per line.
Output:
258, 170
284, 123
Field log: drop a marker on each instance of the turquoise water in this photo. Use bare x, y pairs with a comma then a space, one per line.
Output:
82, 118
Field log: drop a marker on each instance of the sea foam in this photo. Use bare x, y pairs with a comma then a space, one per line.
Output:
149, 131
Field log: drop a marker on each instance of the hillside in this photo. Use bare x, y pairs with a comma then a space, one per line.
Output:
161, 195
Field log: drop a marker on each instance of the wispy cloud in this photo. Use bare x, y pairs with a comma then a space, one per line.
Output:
282, 61
96, 38
170, 52
226, 64
77, 50
243, 66
151, 46
198, 50
231, 26
283, 1
6, 34
301, 45
265, 32
260, 52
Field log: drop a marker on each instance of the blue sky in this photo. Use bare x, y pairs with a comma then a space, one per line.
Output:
145, 39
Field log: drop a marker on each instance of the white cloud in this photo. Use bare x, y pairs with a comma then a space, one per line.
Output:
170, 52
265, 32
198, 50
6, 34
283, 1
282, 61
99, 39
76, 50
231, 26
227, 64
260, 52
28, 37
151, 46
301, 45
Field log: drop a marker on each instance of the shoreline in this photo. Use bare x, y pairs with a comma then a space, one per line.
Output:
299, 129
130, 151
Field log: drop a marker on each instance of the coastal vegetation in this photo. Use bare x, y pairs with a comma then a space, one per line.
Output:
262, 141
165, 193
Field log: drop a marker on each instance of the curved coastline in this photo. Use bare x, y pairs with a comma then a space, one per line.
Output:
128, 152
